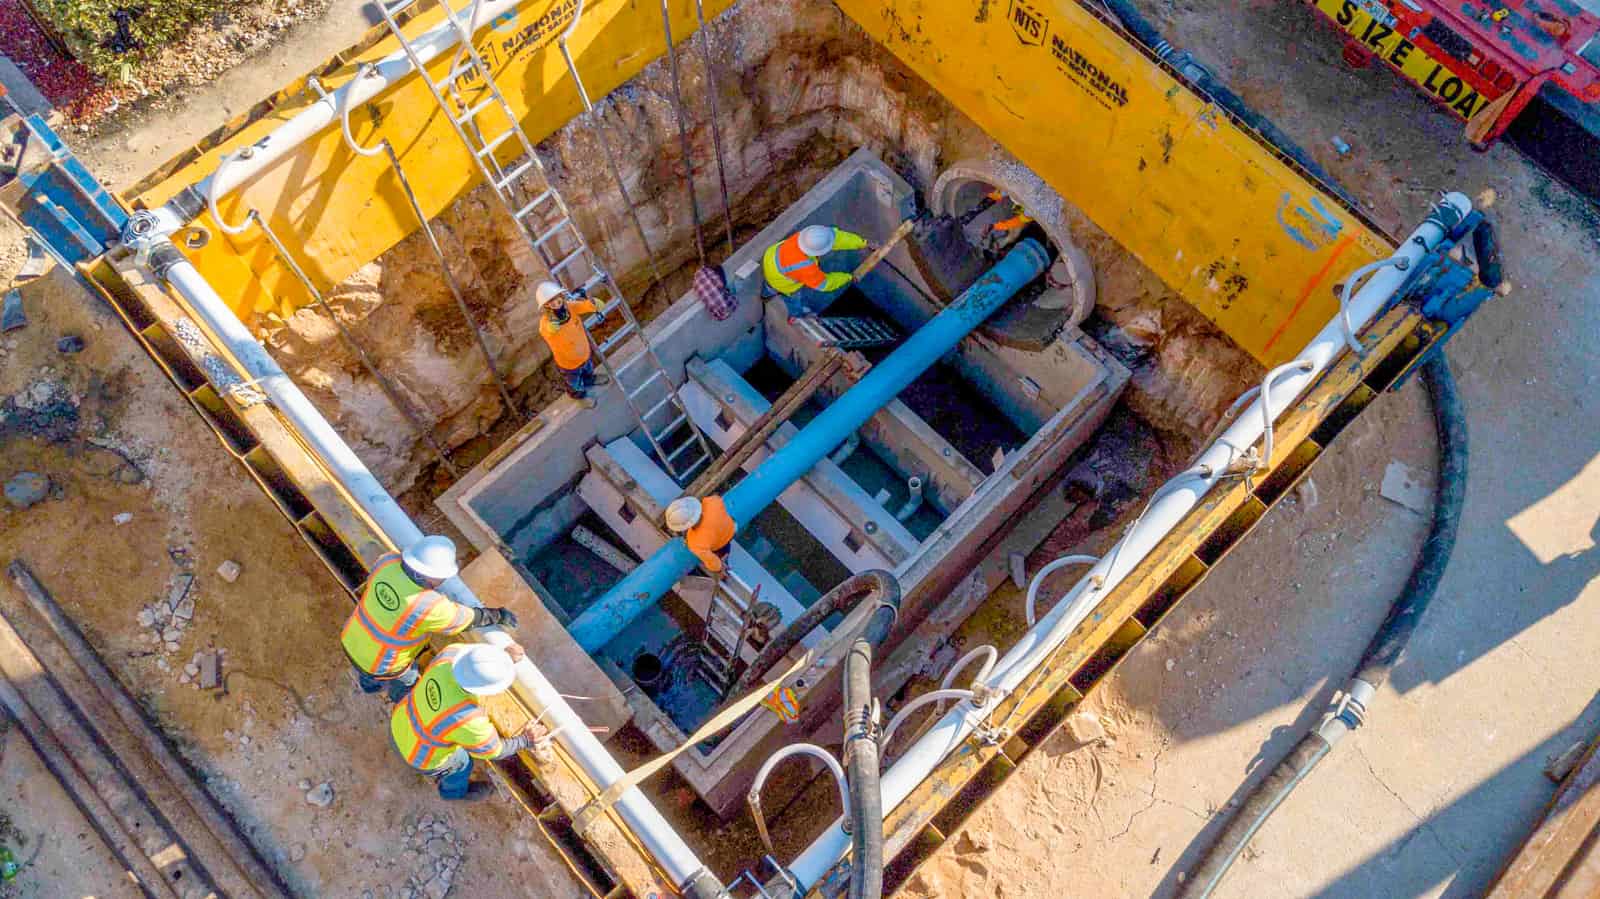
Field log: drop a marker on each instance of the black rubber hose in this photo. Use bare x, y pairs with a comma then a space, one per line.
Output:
1203, 80
861, 759
1486, 248
853, 589
1383, 653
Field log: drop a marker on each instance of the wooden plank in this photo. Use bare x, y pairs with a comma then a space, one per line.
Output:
109, 803
1560, 859
208, 830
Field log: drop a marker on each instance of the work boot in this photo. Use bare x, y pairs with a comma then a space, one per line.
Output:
478, 790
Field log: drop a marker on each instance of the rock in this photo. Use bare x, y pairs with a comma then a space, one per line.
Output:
121, 518
171, 634
70, 345
1085, 728
146, 618
38, 262
320, 795
185, 678
185, 609
229, 571
11, 315
1404, 486
172, 646
244, 740
1171, 663
179, 591
26, 489
211, 674
192, 669
297, 852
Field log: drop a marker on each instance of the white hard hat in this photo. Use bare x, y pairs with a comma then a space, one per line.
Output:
432, 557
547, 291
682, 514
816, 240
484, 670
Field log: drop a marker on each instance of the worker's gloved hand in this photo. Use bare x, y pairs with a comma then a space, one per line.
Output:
501, 618
837, 281
579, 293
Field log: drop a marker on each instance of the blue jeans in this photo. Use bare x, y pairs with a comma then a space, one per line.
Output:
398, 686
579, 379
454, 776
809, 301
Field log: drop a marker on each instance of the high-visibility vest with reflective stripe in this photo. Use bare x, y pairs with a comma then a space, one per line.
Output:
437, 708
383, 635
788, 268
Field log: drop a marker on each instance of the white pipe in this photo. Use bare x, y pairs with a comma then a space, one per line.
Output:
928, 698
1159, 519
913, 499
986, 652
810, 749
312, 120
646, 823
1038, 581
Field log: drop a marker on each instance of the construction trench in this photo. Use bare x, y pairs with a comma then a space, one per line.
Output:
1081, 366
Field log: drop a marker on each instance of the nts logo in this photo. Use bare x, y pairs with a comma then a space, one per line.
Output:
1028, 22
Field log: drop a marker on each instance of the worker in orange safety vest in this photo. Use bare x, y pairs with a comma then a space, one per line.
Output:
794, 271
1018, 219
442, 724
706, 526
400, 607
561, 326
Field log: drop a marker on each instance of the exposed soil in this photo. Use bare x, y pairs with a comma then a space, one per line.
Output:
115, 437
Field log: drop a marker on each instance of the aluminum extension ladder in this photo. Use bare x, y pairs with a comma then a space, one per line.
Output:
727, 625
543, 219
847, 333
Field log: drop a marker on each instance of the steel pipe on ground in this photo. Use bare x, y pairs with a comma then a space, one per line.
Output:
1159, 519
646, 823
651, 580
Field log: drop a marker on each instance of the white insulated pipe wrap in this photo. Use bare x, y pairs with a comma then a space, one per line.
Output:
1163, 515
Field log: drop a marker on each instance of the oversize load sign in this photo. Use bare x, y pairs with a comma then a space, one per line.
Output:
1412, 61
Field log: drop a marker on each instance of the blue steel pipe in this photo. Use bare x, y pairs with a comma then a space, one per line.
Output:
646, 584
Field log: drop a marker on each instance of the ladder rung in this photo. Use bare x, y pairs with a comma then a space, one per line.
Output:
687, 444
617, 336
567, 260
533, 203
472, 111
657, 407
463, 69
654, 377
490, 146
513, 175
398, 7
560, 226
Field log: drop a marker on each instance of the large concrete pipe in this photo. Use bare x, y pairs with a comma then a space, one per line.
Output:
646, 584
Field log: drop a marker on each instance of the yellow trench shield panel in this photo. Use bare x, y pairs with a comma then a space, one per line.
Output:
1243, 237
337, 211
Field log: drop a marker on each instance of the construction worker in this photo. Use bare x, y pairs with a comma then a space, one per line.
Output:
793, 268
1005, 229
706, 526
561, 326
400, 607
442, 725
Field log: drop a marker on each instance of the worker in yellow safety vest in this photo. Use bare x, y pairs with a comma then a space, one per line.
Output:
706, 526
561, 326
442, 725
794, 271
400, 607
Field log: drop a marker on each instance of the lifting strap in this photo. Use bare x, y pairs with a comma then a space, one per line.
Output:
585, 817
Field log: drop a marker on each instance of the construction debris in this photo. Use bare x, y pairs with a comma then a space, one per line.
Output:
121, 518
1084, 727
11, 315
70, 345
320, 795
27, 489
1402, 485
228, 571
